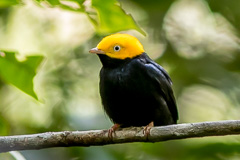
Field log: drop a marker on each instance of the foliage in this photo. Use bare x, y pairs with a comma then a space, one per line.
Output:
6, 3
112, 18
109, 18
20, 74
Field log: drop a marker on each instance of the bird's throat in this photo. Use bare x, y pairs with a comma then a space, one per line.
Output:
111, 62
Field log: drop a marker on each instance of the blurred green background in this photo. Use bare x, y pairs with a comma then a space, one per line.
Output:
196, 41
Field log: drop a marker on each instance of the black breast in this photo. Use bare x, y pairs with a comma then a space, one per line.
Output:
130, 96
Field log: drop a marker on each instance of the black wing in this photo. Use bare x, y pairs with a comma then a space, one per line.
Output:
157, 73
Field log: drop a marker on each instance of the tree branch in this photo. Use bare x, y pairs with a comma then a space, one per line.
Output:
126, 135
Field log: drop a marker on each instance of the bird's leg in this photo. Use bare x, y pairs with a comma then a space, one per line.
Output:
146, 129
113, 129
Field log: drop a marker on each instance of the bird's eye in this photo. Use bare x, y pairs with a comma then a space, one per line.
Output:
116, 48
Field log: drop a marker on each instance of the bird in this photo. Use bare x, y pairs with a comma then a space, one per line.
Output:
134, 89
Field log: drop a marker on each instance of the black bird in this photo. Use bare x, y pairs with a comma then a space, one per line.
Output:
135, 90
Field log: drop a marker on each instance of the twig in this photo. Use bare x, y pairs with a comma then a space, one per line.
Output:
126, 135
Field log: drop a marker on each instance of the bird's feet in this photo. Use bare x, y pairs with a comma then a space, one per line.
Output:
112, 130
146, 129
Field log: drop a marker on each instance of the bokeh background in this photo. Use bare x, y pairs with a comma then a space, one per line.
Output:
196, 41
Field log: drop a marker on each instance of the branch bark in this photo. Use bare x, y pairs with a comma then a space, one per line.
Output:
125, 135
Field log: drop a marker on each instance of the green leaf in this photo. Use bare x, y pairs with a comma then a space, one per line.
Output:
54, 2
51, 2
66, 6
8, 3
17, 73
80, 2
112, 18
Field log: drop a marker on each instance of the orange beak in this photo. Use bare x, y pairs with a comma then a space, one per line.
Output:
96, 51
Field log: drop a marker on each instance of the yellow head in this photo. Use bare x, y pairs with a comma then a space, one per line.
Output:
119, 46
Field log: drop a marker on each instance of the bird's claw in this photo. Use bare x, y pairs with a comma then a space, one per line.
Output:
112, 130
146, 129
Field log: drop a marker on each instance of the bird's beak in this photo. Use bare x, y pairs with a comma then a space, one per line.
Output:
96, 50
